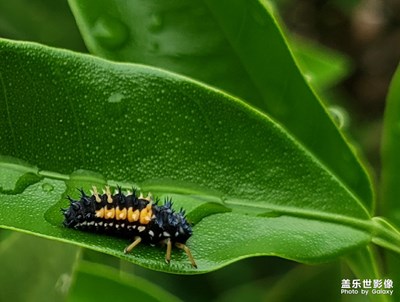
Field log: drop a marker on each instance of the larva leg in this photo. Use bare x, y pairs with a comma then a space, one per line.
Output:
169, 248
132, 245
188, 253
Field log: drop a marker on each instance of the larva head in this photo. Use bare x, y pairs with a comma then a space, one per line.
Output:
173, 223
72, 215
184, 230
77, 211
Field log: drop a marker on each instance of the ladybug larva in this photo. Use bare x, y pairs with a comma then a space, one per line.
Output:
137, 218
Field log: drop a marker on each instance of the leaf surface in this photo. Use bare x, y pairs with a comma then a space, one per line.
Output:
251, 189
235, 45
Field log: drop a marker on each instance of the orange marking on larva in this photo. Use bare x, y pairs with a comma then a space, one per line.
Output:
133, 215
145, 214
109, 213
121, 214
100, 213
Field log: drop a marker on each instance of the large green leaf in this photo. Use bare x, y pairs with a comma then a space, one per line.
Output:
248, 185
235, 45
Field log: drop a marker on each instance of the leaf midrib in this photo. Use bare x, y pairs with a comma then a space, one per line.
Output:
366, 224
358, 223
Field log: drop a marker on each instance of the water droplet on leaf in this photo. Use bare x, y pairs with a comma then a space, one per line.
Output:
46, 187
115, 97
155, 23
339, 116
110, 32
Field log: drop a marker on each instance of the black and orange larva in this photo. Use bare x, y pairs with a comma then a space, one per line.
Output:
137, 218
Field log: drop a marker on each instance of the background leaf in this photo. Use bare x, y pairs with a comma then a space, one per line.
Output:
390, 173
138, 125
103, 283
45, 21
322, 67
391, 166
240, 50
46, 270
391, 151
303, 283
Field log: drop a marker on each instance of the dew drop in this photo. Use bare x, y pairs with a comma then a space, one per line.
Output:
46, 187
155, 22
115, 97
339, 116
115, 107
110, 32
